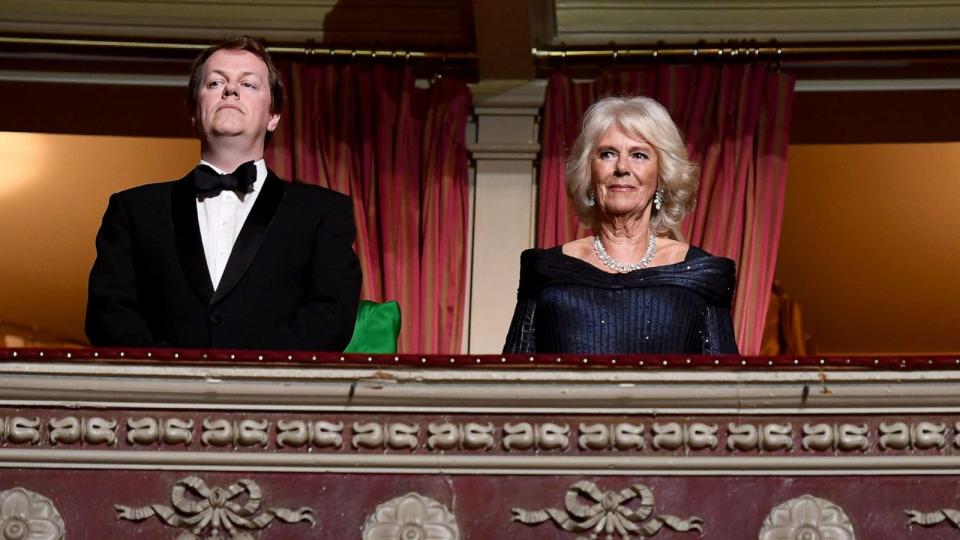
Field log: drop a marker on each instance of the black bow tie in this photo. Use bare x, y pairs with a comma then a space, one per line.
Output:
210, 183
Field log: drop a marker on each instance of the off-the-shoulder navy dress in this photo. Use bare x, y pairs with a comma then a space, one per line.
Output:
566, 305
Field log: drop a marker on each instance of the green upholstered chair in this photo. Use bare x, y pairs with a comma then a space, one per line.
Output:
376, 329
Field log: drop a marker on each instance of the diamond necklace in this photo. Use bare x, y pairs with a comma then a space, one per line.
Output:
623, 268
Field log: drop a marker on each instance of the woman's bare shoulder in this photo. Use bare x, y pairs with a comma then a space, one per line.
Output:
580, 248
670, 251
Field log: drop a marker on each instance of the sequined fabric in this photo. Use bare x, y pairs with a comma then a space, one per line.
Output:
565, 305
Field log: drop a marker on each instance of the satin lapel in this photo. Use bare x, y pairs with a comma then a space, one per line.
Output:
189, 244
251, 235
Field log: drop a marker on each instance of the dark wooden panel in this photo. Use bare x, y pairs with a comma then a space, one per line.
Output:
876, 117
93, 109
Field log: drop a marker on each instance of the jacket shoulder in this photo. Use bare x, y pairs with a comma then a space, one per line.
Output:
145, 191
317, 193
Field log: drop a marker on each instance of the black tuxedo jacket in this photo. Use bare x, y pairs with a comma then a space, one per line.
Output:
292, 280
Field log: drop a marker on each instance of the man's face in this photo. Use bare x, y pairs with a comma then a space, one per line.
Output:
234, 97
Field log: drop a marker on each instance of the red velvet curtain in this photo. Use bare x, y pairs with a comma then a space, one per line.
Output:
736, 121
400, 151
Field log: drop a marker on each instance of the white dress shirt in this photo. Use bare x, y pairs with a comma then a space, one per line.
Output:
221, 219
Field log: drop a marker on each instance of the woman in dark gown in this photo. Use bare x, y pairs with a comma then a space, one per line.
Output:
634, 287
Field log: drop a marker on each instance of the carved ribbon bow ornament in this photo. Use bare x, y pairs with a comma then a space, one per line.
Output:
608, 513
198, 507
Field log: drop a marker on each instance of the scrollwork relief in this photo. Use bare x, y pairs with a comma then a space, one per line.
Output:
157, 430
622, 436
608, 512
26, 515
807, 517
393, 435
694, 436
845, 437
920, 436
19, 430
411, 517
765, 437
469, 436
211, 513
72, 430
546, 436
299, 432
223, 432
929, 519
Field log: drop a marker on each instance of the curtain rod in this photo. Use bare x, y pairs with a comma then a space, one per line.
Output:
308, 49
774, 51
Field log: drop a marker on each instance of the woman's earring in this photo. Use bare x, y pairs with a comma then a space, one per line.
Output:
591, 199
658, 199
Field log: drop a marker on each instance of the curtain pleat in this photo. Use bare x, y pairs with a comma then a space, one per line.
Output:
400, 152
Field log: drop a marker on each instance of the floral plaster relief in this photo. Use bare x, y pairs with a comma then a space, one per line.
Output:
807, 518
411, 517
25, 515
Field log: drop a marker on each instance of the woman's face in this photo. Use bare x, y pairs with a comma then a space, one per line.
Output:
624, 173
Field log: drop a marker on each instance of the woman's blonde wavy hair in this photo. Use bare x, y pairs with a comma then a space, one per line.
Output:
640, 118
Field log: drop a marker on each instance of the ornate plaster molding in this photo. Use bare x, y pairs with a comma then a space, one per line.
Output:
26, 515
525, 436
395, 435
320, 434
529, 463
877, 437
510, 390
847, 437
929, 519
622, 436
762, 437
608, 512
246, 432
468, 436
73, 430
919, 435
156, 430
692, 436
203, 512
807, 517
20, 430
411, 517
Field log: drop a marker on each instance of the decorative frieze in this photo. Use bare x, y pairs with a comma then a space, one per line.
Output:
26, 515
807, 517
333, 432
224, 432
411, 516
622, 436
846, 437
525, 436
608, 512
762, 437
395, 435
20, 430
693, 436
73, 430
159, 430
300, 432
468, 436
919, 435
202, 512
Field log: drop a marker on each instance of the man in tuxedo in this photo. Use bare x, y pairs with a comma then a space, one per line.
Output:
229, 256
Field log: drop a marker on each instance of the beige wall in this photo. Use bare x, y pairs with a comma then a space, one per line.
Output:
52, 194
871, 246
